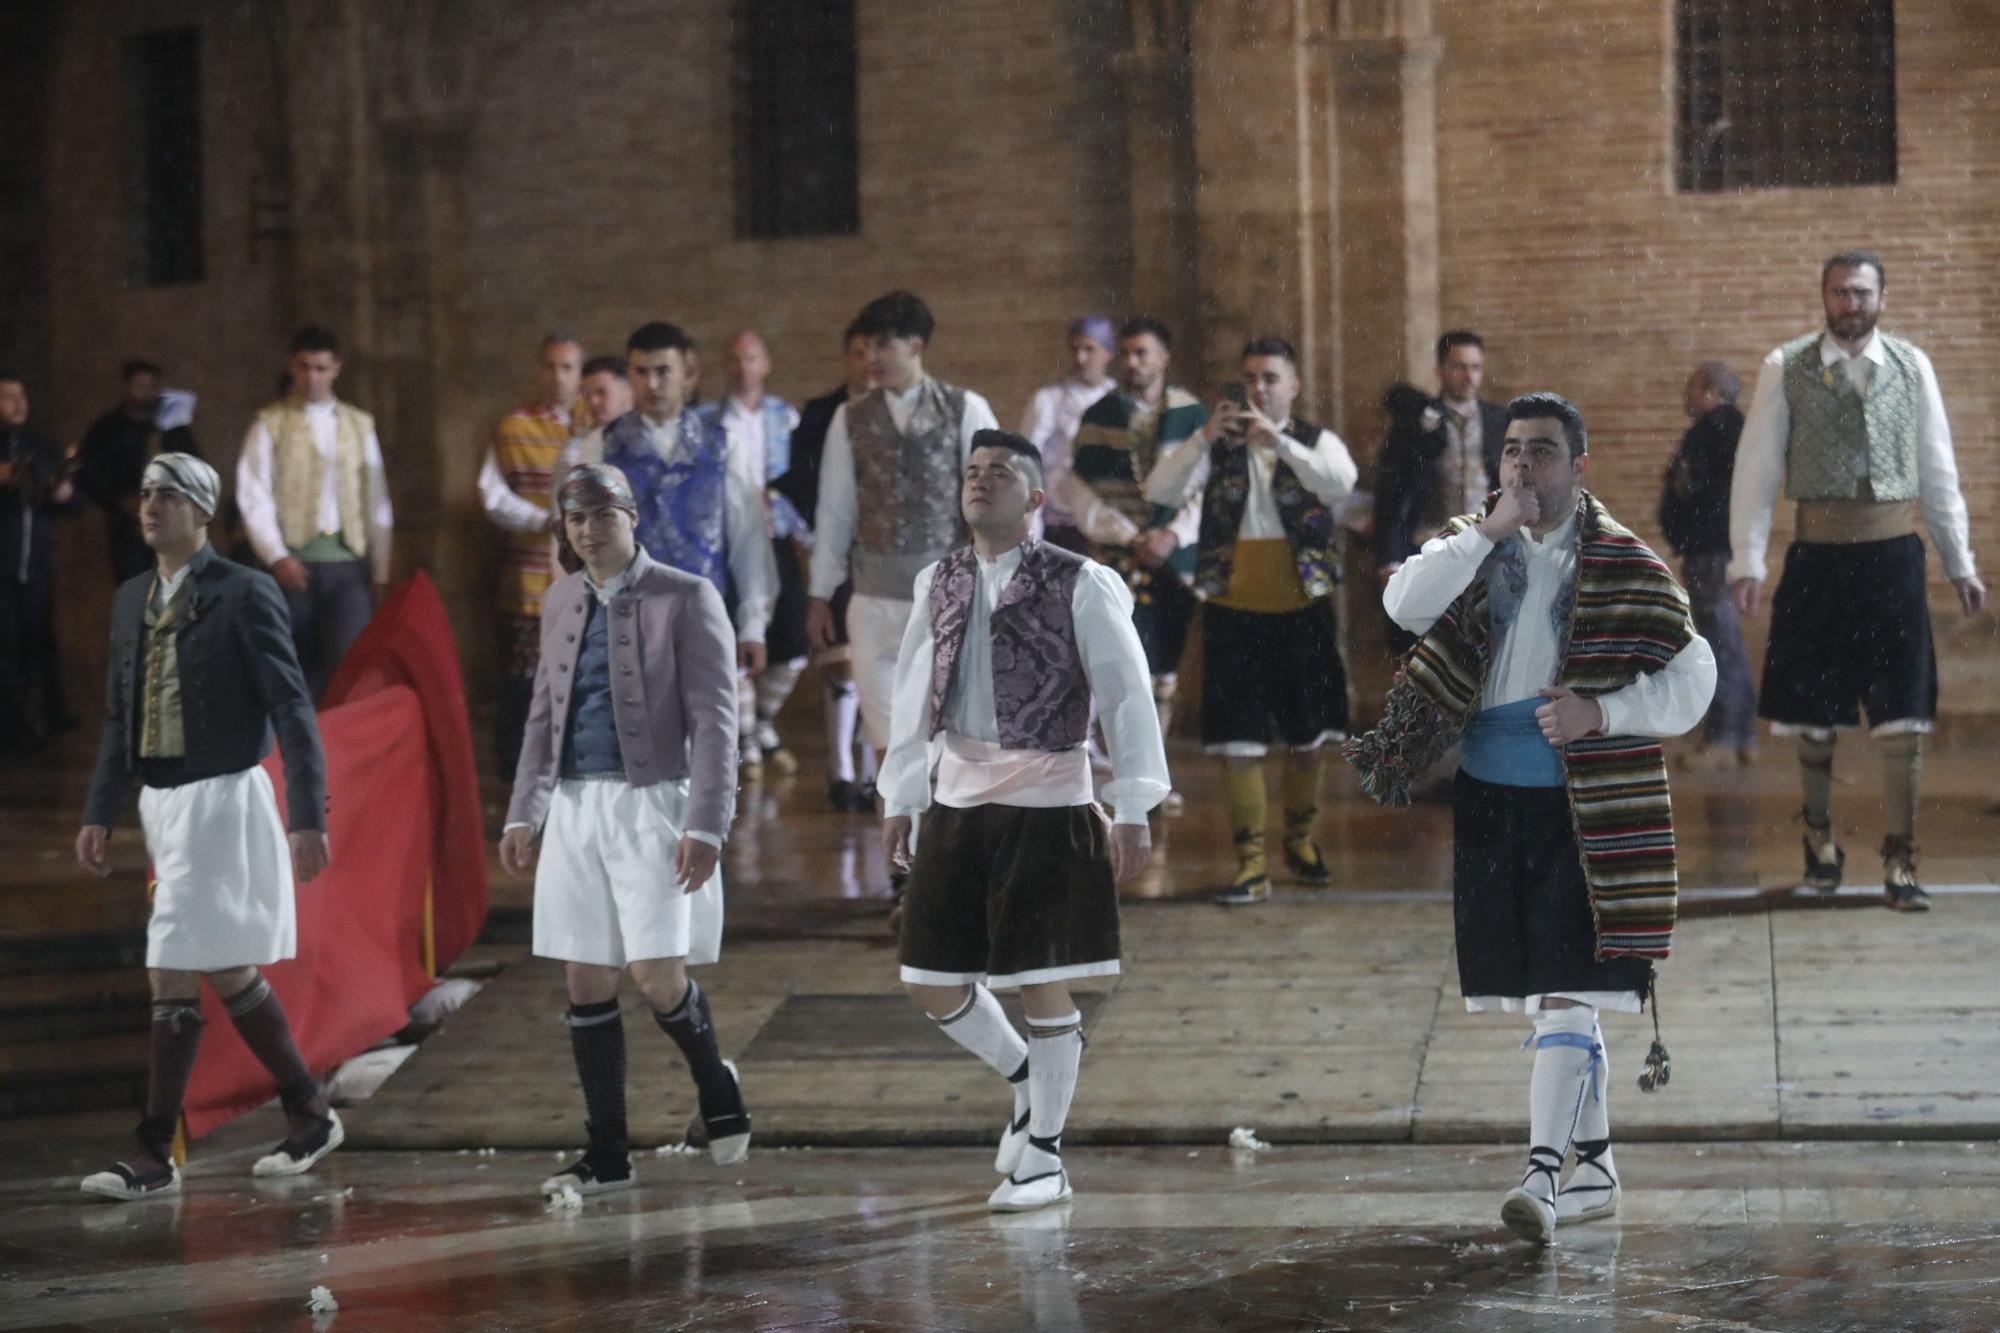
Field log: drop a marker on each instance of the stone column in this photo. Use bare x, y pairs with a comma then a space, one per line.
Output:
1384, 241
382, 98
1384, 131
1261, 204
1157, 74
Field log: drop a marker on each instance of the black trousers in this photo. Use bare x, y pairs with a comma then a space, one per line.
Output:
329, 616
1163, 614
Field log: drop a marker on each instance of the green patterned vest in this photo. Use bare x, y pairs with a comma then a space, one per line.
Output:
1114, 459
1841, 439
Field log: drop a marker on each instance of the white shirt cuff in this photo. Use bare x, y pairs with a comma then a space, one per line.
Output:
1613, 709
712, 839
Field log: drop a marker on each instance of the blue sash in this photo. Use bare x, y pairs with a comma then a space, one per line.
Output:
1505, 746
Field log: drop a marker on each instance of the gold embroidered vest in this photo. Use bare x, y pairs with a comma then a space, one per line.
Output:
298, 473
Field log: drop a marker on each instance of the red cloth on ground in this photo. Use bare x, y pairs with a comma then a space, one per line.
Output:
403, 812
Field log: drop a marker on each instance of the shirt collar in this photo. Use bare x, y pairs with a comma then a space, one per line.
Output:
733, 407
1559, 538
320, 409
616, 584
1831, 354
1004, 563
172, 583
169, 586
1467, 407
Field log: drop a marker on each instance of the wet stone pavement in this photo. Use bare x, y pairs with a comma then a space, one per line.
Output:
1746, 1236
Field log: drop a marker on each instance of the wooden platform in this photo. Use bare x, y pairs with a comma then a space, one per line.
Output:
1335, 1021
1326, 1008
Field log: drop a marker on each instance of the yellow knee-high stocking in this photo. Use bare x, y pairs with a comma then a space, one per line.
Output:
1243, 793
1301, 789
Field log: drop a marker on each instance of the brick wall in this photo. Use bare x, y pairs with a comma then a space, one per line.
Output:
471, 176
991, 185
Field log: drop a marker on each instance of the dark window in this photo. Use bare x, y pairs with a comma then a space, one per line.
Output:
1786, 92
798, 148
159, 105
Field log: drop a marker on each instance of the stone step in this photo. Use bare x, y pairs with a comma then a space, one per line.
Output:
84, 989
102, 1072
44, 1025
74, 951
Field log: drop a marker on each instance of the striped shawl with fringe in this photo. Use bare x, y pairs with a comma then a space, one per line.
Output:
1628, 616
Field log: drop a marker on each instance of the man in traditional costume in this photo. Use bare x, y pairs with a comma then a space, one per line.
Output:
628, 775
315, 505
759, 427
1014, 883
516, 481
903, 445
1852, 421
700, 503
1055, 413
1153, 547
201, 672
850, 786
1556, 648
1266, 567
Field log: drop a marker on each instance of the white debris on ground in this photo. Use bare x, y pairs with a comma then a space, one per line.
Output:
322, 1301
1244, 1137
672, 1149
566, 1199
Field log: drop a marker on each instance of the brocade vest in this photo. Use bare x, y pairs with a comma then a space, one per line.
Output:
906, 485
162, 725
1041, 696
682, 500
1840, 439
1308, 524
298, 473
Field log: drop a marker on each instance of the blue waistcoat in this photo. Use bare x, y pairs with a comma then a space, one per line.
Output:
681, 499
590, 745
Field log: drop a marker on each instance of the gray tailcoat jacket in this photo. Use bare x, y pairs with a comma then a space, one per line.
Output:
673, 691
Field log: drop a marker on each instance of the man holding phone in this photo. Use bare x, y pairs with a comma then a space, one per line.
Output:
1266, 565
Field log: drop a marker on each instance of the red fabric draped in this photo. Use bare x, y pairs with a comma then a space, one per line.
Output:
403, 815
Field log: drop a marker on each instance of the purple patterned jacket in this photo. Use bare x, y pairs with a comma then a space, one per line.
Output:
1041, 697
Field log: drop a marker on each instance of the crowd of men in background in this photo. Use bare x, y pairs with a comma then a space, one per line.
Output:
767, 500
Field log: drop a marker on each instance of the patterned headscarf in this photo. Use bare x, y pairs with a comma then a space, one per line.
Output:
595, 486
188, 475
